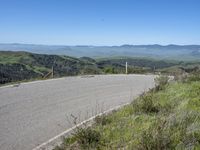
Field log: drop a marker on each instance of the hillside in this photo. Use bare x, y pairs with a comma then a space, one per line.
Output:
171, 52
167, 117
19, 66
16, 66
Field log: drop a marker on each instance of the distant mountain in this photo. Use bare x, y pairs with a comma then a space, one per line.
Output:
176, 52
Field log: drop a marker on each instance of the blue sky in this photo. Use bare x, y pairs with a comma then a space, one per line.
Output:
100, 22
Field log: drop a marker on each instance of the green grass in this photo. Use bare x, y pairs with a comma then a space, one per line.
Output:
168, 118
13, 57
18, 66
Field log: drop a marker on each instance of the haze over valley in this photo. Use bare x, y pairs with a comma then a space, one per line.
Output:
173, 52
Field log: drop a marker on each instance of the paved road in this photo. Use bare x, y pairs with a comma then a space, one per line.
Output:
37, 111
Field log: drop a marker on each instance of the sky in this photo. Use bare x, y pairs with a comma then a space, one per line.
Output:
100, 22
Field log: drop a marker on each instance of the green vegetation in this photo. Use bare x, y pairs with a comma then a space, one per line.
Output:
20, 66
166, 117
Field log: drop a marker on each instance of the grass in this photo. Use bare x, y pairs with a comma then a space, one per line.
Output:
164, 118
17, 66
13, 57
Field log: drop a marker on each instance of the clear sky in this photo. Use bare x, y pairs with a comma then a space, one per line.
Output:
100, 22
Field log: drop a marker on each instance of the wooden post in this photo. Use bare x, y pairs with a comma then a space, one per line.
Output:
52, 72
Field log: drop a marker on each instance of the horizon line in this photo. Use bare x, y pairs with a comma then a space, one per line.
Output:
88, 45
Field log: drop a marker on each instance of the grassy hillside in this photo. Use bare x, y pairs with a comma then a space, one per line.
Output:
18, 66
140, 62
167, 117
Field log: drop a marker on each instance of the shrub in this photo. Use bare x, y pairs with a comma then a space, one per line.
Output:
181, 77
102, 120
161, 82
109, 70
155, 137
87, 138
177, 131
193, 77
146, 104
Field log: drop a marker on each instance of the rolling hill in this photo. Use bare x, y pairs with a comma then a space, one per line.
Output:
172, 52
20, 65
16, 66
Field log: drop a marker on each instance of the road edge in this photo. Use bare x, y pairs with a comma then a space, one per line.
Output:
57, 140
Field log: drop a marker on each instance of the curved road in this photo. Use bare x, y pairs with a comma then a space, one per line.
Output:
34, 112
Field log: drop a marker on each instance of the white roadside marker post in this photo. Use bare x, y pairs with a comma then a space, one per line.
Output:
126, 68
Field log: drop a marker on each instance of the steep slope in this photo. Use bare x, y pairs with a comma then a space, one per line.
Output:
15, 66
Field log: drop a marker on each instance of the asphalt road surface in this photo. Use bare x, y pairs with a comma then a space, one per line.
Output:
34, 112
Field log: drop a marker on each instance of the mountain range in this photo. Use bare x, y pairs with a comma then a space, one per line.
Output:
173, 52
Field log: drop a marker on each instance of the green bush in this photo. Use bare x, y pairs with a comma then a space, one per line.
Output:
155, 138
193, 77
146, 104
161, 82
87, 138
109, 70
177, 131
102, 120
